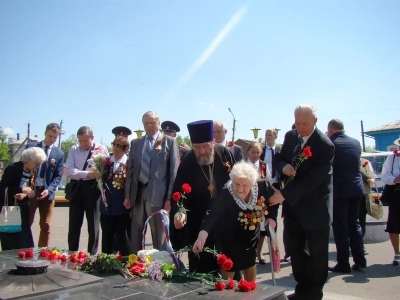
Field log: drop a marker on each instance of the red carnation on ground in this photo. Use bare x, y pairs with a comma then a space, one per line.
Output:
230, 284
219, 286
29, 253
44, 253
186, 188
119, 256
21, 254
244, 286
176, 196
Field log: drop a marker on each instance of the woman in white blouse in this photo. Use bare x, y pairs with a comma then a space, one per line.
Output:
254, 151
391, 176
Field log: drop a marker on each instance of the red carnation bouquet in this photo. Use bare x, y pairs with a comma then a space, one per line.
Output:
178, 198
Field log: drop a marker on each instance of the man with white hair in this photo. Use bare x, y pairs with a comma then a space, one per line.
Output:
220, 132
304, 166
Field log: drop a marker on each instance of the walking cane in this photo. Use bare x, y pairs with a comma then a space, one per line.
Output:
269, 242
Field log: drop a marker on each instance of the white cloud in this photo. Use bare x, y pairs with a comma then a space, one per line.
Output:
202, 103
233, 21
211, 106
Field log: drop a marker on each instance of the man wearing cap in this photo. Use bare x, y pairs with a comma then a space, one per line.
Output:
152, 165
220, 132
170, 128
121, 131
206, 169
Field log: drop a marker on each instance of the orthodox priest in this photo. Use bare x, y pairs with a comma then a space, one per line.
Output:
206, 169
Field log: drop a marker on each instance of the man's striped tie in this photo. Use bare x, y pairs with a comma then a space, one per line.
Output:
145, 163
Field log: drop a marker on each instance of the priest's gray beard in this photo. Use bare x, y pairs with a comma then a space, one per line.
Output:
205, 159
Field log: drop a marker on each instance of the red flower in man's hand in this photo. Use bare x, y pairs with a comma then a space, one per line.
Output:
262, 167
176, 196
230, 284
307, 152
186, 188
365, 164
221, 259
219, 286
107, 162
227, 265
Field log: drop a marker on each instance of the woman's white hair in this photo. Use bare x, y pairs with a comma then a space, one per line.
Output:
244, 169
35, 154
305, 108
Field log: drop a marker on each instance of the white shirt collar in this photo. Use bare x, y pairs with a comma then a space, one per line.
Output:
305, 138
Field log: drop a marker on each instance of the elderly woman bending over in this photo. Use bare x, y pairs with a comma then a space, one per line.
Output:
19, 180
235, 219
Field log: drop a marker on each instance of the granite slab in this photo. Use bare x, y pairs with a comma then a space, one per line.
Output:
63, 282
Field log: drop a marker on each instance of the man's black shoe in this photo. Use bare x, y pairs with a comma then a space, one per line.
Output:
340, 269
358, 267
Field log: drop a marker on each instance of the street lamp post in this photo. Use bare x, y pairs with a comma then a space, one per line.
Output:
234, 125
255, 132
139, 133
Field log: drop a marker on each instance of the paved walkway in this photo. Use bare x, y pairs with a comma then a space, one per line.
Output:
379, 281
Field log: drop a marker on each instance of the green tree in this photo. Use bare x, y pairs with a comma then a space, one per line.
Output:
185, 140
4, 149
67, 144
3, 136
369, 149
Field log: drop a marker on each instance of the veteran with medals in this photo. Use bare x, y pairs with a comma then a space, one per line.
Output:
206, 169
114, 217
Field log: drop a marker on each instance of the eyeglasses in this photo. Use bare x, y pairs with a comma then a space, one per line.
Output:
117, 145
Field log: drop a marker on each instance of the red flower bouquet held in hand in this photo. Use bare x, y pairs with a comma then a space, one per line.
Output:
178, 198
304, 154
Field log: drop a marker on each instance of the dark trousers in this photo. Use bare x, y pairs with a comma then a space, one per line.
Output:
347, 230
86, 202
115, 234
310, 271
22, 239
363, 216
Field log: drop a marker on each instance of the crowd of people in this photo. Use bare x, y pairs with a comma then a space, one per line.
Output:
227, 196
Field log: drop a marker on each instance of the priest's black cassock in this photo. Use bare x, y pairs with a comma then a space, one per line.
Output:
198, 202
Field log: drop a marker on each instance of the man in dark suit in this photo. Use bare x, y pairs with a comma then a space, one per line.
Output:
348, 193
220, 132
307, 200
48, 177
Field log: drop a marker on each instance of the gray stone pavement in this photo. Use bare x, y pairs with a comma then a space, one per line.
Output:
379, 281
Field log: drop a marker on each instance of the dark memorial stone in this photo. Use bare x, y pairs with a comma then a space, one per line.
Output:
61, 282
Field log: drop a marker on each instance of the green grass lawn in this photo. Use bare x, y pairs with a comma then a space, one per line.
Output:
60, 193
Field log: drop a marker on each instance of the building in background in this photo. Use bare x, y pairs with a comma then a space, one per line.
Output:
384, 136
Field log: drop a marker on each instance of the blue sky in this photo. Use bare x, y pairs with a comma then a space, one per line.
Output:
105, 63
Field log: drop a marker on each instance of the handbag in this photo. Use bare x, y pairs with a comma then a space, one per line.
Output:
388, 189
72, 187
374, 207
10, 216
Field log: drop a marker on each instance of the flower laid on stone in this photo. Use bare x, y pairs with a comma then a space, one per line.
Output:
28, 253
246, 286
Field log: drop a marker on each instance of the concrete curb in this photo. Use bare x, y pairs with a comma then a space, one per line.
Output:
327, 296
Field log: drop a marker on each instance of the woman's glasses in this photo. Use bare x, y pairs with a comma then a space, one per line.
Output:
117, 145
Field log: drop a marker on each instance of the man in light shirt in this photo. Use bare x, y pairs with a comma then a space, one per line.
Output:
87, 199
220, 132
